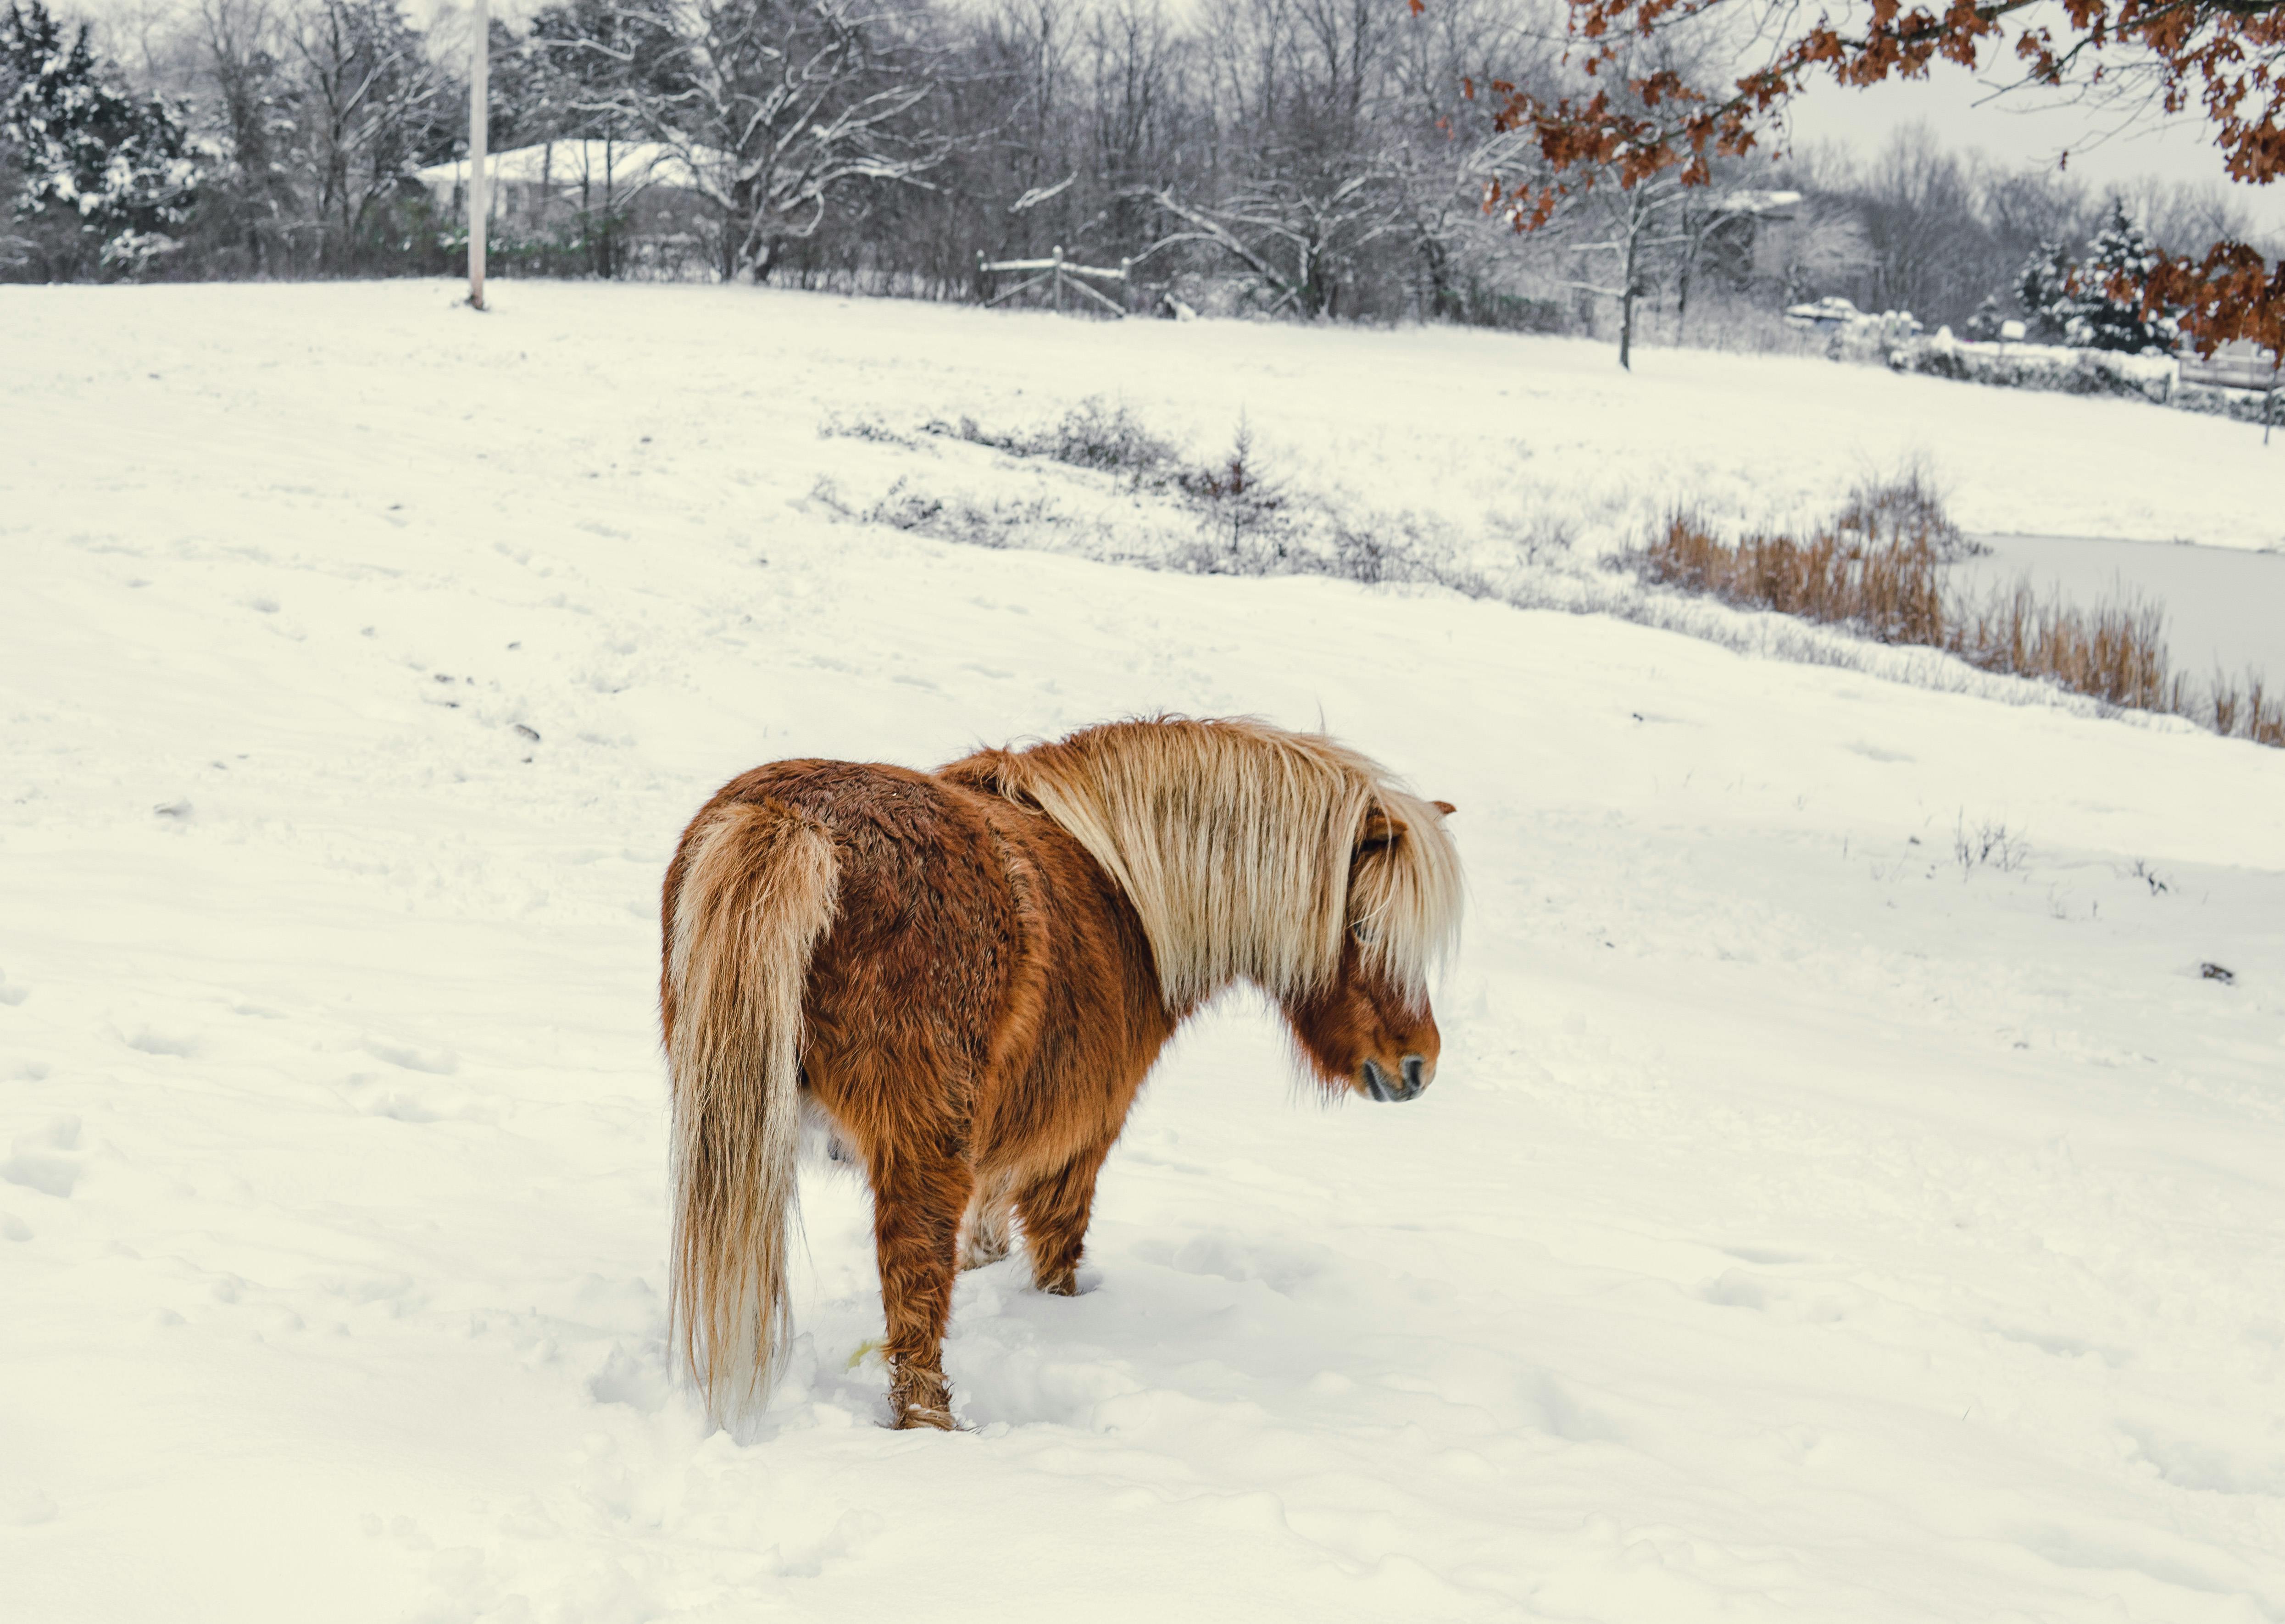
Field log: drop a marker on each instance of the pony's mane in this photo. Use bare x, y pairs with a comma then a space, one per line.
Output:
1239, 844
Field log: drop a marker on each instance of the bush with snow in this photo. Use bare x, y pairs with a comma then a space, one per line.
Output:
2059, 368
104, 180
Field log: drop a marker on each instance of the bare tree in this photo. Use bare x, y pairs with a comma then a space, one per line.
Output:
778, 105
1630, 230
1438, 131
251, 112
1304, 184
1917, 202
371, 104
1297, 234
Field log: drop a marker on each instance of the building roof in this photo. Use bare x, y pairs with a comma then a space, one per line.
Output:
621, 164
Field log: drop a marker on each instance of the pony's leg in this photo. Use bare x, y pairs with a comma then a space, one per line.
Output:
1054, 1209
985, 1229
916, 1208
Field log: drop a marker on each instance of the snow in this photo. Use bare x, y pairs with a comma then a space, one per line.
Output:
568, 163
1807, 1223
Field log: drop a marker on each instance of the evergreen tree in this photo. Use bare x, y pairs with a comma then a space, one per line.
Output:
104, 179
2103, 309
2043, 287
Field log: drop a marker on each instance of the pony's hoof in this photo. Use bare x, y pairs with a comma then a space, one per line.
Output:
920, 1398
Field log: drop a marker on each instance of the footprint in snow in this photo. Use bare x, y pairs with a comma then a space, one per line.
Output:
851, 1533
1284, 1267
41, 1161
639, 1381
435, 1063
21, 1507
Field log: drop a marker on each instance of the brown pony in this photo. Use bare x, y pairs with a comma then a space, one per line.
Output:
965, 975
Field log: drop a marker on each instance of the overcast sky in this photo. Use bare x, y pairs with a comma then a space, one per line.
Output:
2029, 128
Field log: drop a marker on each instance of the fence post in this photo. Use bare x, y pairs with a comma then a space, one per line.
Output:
1059, 279
1126, 285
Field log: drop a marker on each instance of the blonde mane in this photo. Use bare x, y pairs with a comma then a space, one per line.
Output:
1238, 844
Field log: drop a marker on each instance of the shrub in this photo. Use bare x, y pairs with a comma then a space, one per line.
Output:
1090, 436
2035, 367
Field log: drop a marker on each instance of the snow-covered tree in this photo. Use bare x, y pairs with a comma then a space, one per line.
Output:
373, 106
1638, 228
104, 179
2043, 287
2104, 308
779, 107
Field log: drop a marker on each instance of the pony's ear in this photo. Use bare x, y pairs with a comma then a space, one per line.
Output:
1446, 807
1379, 829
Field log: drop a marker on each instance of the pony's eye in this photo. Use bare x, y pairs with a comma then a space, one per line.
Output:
1363, 933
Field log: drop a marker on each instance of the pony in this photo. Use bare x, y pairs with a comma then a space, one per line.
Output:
964, 976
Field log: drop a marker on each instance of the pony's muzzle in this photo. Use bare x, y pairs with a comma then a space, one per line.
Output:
1384, 1088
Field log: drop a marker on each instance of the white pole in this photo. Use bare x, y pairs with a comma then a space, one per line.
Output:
480, 191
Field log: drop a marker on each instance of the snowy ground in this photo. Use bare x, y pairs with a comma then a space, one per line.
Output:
1808, 1224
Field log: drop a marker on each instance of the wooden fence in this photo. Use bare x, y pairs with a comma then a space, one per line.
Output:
1064, 277
2240, 365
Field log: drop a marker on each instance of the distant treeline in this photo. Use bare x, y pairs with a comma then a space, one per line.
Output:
1313, 158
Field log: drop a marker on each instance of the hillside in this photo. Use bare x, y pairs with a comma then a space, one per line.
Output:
1844, 1196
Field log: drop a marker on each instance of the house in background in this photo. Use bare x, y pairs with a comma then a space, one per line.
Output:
604, 207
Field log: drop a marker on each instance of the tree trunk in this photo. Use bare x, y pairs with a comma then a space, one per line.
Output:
1627, 303
1444, 302
1681, 294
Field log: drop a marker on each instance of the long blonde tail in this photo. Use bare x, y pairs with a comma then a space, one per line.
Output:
758, 890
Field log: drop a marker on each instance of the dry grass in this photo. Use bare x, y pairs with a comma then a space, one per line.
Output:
1878, 570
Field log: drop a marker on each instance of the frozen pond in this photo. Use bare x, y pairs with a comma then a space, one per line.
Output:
2224, 606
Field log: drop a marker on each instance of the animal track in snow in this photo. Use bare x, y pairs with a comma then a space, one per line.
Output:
23, 1507
34, 1165
436, 1063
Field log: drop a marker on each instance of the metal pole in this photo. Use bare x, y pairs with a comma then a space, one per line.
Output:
480, 191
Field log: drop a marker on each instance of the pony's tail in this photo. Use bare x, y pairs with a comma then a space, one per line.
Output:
759, 884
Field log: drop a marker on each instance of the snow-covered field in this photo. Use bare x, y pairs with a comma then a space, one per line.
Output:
1811, 1222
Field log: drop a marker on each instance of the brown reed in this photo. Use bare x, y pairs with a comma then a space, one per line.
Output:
1876, 568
